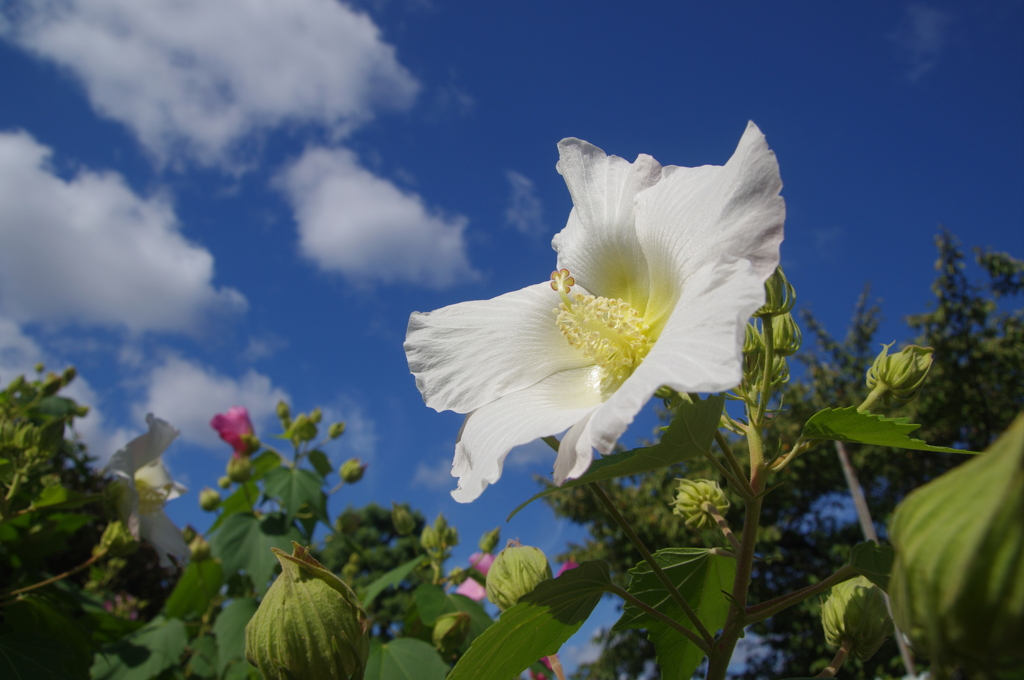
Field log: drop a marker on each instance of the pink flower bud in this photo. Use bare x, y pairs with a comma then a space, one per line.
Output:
481, 562
232, 425
566, 567
471, 589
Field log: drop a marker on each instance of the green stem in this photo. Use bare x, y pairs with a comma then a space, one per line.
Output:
667, 620
770, 608
837, 661
58, 577
655, 567
712, 510
872, 399
769, 364
723, 443
733, 482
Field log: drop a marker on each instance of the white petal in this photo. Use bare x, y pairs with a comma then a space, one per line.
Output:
490, 432
165, 537
599, 244
694, 216
145, 448
575, 452
700, 349
469, 354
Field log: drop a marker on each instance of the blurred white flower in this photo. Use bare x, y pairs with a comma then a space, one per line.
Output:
145, 486
659, 269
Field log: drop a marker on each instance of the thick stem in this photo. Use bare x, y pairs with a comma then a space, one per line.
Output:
655, 567
667, 620
872, 399
770, 608
837, 661
712, 510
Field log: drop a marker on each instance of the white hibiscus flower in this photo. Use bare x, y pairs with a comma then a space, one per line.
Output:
659, 269
145, 487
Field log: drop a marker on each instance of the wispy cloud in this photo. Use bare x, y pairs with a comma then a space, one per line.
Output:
921, 39
525, 212
436, 476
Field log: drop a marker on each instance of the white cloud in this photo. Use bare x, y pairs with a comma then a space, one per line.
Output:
921, 39
361, 225
191, 77
525, 211
90, 250
188, 395
436, 476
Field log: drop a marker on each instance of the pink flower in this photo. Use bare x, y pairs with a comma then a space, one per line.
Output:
232, 425
566, 567
471, 589
481, 562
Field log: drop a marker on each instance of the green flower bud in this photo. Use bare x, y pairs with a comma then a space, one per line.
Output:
316, 415
515, 572
753, 343
309, 625
239, 469
690, 498
347, 522
116, 541
489, 541
457, 576
957, 583
786, 335
224, 482
896, 378
351, 568
302, 429
69, 374
209, 499
200, 548
252, 443
352, 470
779, 295
450, 631
856, 611
284, 414
402, 519
430, 539
188, 533
336, 430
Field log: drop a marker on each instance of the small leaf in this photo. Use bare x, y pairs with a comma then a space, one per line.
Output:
26, 656
392, 578
318, 459
54, 497
688, 435
294, 488
537, 626
203, 663
405, 659
701, 577
230, 631
244, 542
241, 500
143, 655
874, 562
197, 586
849, 425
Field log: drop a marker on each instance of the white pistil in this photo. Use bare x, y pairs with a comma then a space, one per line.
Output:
608, 331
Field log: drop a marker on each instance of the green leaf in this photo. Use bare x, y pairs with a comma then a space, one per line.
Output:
28, 656
688, 435
432, 602
318, 459
874, 562
54, 497
392, 578
144, 654
537, 626
848, 425
197, 586
701, 577
264, 463
294, 488
230, 631
241, 500
43, 616
203, 663
405, 659
244, 542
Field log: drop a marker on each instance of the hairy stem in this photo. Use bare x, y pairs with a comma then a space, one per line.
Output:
58, 577
556, 666
667, 620
740, 487
770, 608
837, 661
712, 510
723, 444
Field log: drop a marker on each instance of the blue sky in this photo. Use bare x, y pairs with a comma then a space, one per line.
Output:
211, 204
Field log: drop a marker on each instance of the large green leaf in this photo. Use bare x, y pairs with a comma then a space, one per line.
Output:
392, 578
849, 425
264, 463
701, 577
244, 542
242, 500
144, 654
535, 627
405, 659
197, 586
44, 616
230, 631
29, 656
294, 488
57, 497
687, 436
874, 562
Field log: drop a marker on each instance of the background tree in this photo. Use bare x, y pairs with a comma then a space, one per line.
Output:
975, 389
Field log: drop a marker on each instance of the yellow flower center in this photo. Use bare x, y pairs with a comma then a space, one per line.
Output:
150, 499
608, 331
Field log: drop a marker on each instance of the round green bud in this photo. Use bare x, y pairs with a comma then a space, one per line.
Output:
489, 541
239, 469
316, 415
336, 430
897, 378
209, 499
224, 482
284, 414
786, 335
302, 429
200, 548
691, 495
957, 583
252, 443
69, 374
352, 470
451, 631
188, 533
430, 539
116, 541
309, 625
779, 295
402, 519
856, 611
347, 522
515, 572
